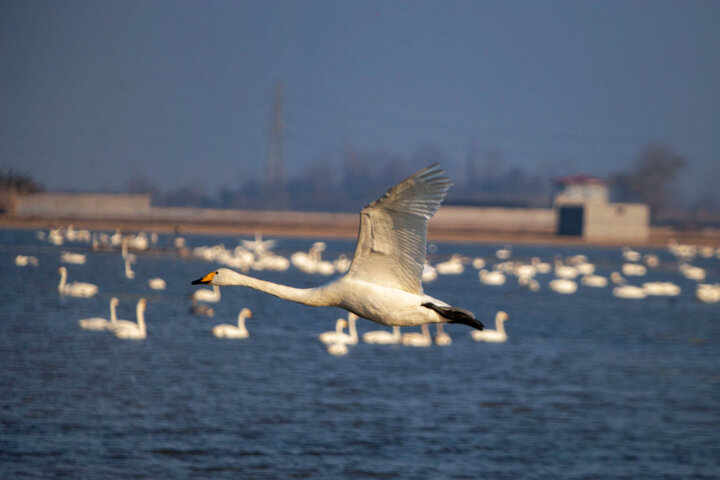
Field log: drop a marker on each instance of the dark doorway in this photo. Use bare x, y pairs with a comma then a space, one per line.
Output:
570, 221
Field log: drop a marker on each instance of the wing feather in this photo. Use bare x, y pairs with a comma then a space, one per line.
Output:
392, 240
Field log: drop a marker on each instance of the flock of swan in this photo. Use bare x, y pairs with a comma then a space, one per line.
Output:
382, 282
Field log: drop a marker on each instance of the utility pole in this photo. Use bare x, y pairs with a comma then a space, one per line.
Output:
275, 187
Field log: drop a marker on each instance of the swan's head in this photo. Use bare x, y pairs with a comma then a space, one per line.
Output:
246, 312
501, 316
142, 303
114, 301
62, 270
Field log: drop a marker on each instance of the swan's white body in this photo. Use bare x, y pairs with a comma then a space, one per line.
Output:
232, 331
494, 277
383, 283
633, 269
157, 283
708, 293
338, 348
332, 337
629, 291
563, 285
132, 330
596, 281
415, 339
383, 337
205, 295
97, 323
75, 289
75, 258
498, 335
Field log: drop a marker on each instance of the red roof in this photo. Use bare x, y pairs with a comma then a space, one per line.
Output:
580, 179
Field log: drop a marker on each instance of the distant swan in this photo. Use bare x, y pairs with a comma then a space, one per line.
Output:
629, 291
157, 283
205, 295
75, 289
97, 323
135, 331
383, 337
415, 339
491, 278
69, 257
128, 269
383, 283
332, 337
498, 335
231, 331
563, 285
338, 348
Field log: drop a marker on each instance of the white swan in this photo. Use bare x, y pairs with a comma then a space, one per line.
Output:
383, 337
491, 278
75, 289
633, 269
415, 339
563, 285
708, 293
338, 348
332, 337
665, 289
205, 295
231, 331
453, 266
498, 335
98, 323
157, 283
504, 253
383, 283
629, 291
134, 331
129, 273
25, 260
596, 281
75, 258
442, 338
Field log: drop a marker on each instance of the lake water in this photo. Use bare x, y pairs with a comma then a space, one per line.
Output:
587, 386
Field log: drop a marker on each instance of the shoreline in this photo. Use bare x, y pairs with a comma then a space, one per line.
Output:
340, 226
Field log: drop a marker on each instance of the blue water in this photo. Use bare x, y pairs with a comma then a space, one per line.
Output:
587, 386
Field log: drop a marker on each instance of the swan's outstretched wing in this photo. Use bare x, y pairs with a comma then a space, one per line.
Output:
391, 244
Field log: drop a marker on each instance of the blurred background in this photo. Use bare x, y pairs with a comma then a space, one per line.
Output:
322, 103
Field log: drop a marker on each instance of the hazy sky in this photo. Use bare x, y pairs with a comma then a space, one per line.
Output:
181, 91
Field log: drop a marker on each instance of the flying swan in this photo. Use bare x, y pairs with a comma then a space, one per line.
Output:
383, 283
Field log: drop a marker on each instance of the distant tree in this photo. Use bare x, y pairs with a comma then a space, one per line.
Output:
19, 182
651, 176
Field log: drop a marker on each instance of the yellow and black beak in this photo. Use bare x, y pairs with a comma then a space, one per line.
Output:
204, 280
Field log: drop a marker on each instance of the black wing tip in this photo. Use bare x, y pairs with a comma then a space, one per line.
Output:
456, 315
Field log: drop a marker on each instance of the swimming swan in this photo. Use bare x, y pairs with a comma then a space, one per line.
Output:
75, 289
205, 295
332, 337
383, 337
134, 331
414, 339
442, 338
339, 348
231, 331
383, 283
498, 335
97, 323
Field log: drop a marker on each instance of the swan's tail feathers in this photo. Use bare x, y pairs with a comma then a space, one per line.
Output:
456, 315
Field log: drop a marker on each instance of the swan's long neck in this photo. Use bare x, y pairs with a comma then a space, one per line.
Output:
500, 325
140, 312
307, 296
396, 334
113, 315
216, 291
339, 328
425, 331
353, 328
241, 322
63, 279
